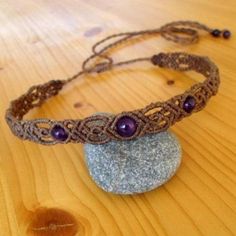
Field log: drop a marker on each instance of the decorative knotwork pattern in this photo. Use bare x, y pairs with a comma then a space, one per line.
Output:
101, 128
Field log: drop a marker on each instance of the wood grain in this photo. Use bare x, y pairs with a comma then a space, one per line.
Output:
41, 40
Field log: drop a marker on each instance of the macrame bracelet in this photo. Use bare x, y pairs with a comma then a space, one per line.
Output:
101, 128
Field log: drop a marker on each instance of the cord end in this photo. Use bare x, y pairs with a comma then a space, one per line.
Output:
226, 34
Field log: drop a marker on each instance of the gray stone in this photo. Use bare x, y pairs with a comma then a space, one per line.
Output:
136, 166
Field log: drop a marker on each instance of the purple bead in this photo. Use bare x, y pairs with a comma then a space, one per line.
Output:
226, 34
216, 33
126, 126
59, 133
189, 104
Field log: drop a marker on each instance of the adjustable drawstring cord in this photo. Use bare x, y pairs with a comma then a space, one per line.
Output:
182, 32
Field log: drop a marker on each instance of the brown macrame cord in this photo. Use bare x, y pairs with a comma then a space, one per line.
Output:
99, 129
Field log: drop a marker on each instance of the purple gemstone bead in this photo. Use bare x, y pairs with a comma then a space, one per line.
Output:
126, 126
216, 33
226, 34
189, 104
59, 133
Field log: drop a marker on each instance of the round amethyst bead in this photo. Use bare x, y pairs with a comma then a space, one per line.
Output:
216, 33
59, 133
126, 126
226, 34
189, 104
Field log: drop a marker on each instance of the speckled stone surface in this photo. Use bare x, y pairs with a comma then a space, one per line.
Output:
136, 166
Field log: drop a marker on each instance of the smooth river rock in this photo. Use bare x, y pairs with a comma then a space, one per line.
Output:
136, 166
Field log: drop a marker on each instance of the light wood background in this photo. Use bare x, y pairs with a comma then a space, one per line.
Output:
47, 190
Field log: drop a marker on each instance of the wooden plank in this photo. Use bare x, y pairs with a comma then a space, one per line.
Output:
44, 190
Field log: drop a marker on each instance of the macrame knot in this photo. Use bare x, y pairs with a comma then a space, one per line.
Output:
101, 67
180, 32
157, 59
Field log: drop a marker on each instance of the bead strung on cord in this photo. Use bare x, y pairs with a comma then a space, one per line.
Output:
226, 34
217, 33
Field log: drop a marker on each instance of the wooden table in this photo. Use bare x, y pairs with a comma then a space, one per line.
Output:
47, 190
